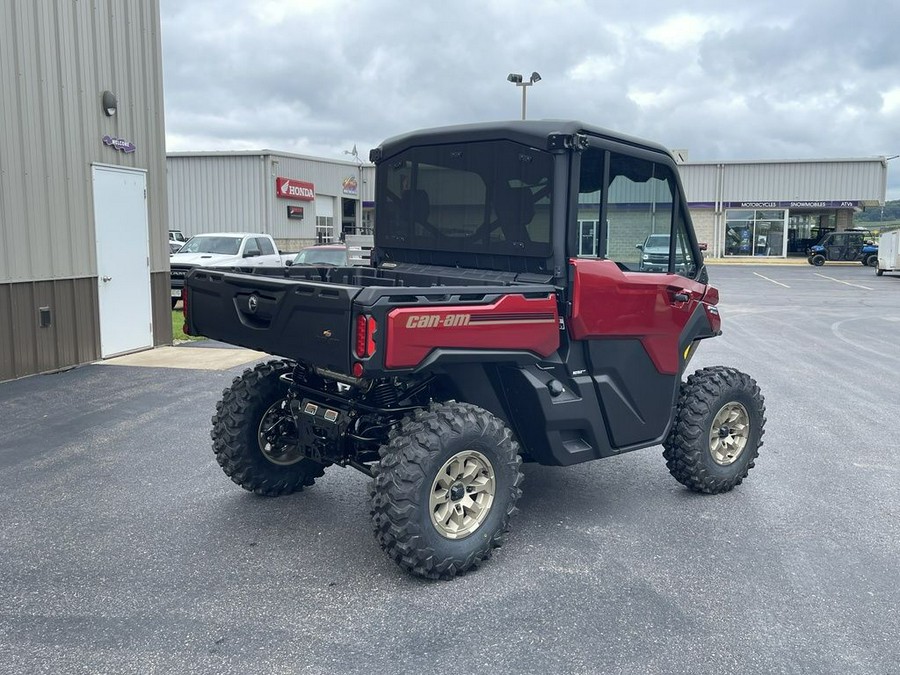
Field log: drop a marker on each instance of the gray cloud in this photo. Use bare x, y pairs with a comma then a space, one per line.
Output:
761, 80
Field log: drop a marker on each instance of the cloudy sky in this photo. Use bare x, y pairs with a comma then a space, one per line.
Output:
760, 79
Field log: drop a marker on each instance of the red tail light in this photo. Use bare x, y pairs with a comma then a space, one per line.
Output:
371, 327
365, 336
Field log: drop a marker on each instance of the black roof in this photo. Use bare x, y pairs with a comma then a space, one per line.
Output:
528, 132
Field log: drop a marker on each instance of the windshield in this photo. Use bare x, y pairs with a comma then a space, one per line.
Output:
212, 244
321, 256
491, 197
657, 242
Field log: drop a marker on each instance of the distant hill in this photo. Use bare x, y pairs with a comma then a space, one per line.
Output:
873, 214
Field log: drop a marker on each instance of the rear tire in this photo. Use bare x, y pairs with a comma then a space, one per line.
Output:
719, 423
818, 260
251, 434
445, 489
879, 272
872, 261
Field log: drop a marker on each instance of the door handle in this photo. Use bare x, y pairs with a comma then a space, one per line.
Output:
678, 294
106, 278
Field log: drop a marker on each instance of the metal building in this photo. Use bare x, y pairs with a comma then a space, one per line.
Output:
298, 200
778, 207
84, 257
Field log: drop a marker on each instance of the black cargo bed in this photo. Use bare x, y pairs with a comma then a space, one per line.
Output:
293, 318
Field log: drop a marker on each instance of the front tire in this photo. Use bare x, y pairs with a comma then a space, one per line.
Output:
254, 436
879, 272
818, 260
445, 489
719, 423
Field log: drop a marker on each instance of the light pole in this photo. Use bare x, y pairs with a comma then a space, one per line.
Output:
516, 79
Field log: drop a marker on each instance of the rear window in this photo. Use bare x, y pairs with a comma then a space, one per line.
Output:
492, 197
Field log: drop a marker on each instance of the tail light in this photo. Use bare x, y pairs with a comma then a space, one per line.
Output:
365, 336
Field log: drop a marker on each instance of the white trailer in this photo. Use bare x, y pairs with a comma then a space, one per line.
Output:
888, 253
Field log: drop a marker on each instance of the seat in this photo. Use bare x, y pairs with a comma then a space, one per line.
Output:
514, 207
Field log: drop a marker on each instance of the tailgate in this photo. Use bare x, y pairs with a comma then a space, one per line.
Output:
298, 319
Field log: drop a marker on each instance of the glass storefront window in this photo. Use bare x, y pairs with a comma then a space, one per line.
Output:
805, 229
755, 232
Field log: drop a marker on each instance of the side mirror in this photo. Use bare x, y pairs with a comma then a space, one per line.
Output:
288, 263
702, 245
639, 246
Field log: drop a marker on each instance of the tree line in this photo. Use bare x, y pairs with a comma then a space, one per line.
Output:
874, 214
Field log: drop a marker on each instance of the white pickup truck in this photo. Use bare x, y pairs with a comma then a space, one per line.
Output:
223, 249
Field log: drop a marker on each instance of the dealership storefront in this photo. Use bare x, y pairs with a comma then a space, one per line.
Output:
778, 228
778, 208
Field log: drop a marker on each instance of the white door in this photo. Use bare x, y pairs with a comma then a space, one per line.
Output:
123, 260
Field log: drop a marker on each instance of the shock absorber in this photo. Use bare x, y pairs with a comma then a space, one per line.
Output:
384, 394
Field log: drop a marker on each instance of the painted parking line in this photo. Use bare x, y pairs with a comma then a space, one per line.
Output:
846, 283
772, 280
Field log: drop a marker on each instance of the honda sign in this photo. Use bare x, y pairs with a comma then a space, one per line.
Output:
289, 188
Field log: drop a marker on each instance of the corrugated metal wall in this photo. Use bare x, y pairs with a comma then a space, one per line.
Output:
327, 176
72, 337
56, 59
216, 193
861, 180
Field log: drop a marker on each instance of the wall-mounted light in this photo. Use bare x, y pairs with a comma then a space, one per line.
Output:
110, 104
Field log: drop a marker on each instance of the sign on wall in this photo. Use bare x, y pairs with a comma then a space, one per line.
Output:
350, 185
295, 212
290, 188
119, 144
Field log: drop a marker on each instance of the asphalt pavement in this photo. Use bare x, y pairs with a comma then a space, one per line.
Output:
125, 549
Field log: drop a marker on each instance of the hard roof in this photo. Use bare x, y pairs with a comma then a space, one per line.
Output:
528, 132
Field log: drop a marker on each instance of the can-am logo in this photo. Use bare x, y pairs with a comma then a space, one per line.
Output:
289, 188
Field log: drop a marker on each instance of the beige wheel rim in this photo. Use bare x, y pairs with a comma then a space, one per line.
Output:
274, 427
729, 433
462, 494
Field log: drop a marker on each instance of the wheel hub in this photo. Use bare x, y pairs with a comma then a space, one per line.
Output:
462, 494
277, 435
729, 433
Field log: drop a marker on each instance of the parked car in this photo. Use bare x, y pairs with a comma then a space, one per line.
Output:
655, 255
231, 250
325, 254
846, 246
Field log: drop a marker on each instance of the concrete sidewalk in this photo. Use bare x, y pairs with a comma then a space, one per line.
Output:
197, 357
760, 260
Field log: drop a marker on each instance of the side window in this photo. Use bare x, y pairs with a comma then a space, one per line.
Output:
685, 265
251, 248
590, 193
265, 246
639, 214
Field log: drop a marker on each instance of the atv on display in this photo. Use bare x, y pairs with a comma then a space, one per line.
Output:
508, 316
846, 246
